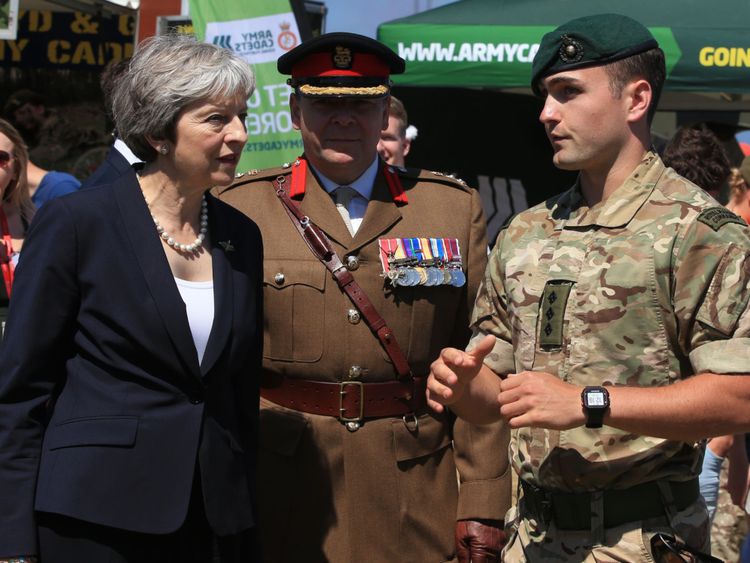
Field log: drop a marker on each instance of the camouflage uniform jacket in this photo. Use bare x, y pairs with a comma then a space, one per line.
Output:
645, 288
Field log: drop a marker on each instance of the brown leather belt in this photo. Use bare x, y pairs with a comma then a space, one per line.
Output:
349, 401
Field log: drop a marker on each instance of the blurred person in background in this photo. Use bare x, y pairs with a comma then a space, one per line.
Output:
395, 140
45, 185
739, 190
59, 138
16, 210
697, 154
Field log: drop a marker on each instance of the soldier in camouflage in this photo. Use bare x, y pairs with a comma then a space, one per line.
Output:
616, 317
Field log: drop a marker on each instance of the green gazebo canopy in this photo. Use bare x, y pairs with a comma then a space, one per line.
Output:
491, 43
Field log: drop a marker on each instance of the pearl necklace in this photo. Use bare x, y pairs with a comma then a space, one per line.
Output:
197, 243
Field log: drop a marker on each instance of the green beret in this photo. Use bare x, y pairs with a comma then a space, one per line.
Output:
589, 41
745, 169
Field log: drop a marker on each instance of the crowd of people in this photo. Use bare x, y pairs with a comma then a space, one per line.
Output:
323, 362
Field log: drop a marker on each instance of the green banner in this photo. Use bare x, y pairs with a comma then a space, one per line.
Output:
477, 55
260, 32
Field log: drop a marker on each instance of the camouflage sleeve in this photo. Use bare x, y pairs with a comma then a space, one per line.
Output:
711, 277
481, 452
490, 314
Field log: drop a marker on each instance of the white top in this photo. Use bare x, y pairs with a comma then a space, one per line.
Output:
199, 303
362, 185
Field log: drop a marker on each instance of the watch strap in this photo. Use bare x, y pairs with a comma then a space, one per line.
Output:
594, 417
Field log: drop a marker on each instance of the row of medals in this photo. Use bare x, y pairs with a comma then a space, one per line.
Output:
410, 272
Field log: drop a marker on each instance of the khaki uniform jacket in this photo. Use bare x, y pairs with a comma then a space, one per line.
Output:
386, 492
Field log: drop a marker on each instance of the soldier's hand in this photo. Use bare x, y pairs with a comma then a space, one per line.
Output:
479, 541
540, 400
453, 371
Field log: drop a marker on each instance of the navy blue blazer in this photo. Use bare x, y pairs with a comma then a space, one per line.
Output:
104, 408
112, 167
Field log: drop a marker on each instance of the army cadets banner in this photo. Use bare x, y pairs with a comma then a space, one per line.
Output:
68, 40
260, 32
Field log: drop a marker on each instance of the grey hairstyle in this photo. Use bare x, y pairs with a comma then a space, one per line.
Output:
166, 74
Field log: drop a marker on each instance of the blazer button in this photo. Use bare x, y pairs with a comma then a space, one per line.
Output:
279, 278
353, 316
195, 400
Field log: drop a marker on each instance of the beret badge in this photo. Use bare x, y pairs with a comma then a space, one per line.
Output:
571, 51
342, 57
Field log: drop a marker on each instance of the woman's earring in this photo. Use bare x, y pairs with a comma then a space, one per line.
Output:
163, 149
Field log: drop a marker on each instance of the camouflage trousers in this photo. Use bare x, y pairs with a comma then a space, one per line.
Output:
530, 540
730, 525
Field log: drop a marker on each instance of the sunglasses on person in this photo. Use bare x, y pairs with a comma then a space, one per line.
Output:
5, 158
668, 549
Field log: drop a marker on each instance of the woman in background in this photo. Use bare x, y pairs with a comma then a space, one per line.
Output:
16, 209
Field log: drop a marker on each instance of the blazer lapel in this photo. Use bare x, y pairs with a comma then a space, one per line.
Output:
148, 249
221, 245
382, 212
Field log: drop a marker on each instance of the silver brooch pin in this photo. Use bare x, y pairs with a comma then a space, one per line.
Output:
226, 245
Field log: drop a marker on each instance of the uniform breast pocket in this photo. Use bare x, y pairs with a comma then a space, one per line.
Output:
293, 309
617, 311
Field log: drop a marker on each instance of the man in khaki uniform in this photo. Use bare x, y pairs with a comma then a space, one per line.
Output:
353, 466
612, 331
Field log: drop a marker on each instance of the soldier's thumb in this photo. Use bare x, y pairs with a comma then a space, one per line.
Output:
483, 347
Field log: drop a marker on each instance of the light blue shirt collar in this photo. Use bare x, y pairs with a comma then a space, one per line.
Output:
363, 185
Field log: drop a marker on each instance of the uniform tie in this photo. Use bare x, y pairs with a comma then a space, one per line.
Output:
344, 196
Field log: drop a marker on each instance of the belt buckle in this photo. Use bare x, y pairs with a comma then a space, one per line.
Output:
352, 422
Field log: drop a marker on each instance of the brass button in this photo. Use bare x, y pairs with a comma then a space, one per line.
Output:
355, 372
352, 263
279, 278
353, 316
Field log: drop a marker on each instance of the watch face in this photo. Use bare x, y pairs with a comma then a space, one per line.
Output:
595, 399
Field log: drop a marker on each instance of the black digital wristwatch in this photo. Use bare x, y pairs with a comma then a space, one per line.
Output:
595, 401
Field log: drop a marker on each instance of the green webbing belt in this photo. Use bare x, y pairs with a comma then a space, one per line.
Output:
572, 511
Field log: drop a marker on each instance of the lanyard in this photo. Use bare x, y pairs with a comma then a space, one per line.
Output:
7, 264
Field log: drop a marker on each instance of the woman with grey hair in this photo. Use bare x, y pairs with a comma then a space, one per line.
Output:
129, 370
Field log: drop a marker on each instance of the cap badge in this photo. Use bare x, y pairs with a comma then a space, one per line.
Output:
571, 51
342, 57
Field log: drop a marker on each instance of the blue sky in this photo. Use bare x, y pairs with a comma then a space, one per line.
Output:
364, 16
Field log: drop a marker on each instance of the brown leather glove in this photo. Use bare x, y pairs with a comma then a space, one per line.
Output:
479, 541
